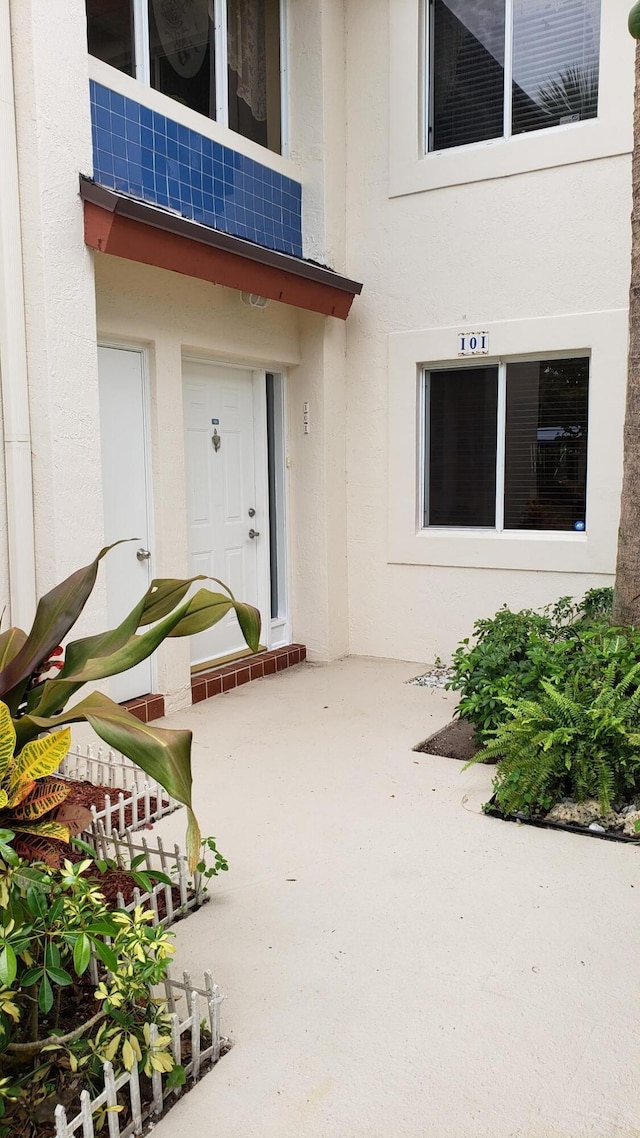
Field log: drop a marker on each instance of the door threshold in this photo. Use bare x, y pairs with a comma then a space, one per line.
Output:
226, 677
208, 665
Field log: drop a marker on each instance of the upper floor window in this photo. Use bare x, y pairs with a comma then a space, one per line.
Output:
496, 68
221, 58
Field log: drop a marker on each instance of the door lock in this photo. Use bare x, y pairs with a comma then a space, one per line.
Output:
254, 533
143, 554
251, 512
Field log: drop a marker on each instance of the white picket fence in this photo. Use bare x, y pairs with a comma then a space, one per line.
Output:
126, 1086
124, 848
128, 789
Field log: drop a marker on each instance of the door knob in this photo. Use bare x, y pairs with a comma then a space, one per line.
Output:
143, 554
251, 512
254, 533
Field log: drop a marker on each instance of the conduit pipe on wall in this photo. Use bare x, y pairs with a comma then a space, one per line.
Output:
13, 355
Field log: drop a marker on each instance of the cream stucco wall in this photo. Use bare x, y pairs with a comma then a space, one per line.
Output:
542, 242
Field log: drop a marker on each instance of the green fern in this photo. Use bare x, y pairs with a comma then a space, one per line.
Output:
559, 745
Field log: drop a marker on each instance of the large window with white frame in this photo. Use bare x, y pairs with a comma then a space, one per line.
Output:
507, 67
505, 445
221, 58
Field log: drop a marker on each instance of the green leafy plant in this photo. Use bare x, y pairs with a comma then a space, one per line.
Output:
569, 643
51, 923
38, 704
557, 745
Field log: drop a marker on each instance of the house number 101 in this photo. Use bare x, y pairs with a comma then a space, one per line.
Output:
473, 343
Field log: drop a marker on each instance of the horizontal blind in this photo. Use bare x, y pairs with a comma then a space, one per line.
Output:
461, 429
556, 48
467, 61
546, 445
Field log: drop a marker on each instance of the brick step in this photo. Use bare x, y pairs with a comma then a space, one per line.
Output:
226, 677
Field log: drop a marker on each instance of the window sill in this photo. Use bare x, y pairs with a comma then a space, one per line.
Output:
125, 85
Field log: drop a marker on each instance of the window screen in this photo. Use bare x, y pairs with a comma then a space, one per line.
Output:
461, 407
181, 55
546, 445
110, 32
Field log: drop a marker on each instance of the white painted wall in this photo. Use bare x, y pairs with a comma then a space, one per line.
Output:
54, 145
532, 243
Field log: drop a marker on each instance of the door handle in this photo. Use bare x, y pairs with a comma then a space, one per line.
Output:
143, 554
254, 533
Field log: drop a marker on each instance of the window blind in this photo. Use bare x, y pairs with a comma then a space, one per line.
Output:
461, 447
467, 65
556, 46
546, 445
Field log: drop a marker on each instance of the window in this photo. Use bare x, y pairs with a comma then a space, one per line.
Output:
505, 446
221, 58
508, 67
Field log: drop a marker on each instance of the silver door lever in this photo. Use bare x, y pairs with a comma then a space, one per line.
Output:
143, 554
254, 533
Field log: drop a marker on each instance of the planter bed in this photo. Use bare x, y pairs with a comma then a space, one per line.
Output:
609, 835
115, 790
197, 1045
455, 741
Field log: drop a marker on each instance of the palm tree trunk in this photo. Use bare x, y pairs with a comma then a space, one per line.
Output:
626, 599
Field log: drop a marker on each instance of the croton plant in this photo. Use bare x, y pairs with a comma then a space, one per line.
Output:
31, 798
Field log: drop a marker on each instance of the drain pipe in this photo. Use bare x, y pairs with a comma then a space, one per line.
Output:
13, 356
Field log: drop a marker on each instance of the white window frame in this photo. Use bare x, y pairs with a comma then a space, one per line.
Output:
501, 441
603, 336
412, 171
142, 61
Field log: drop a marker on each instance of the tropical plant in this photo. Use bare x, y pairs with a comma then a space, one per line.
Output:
569, 643
574, 91
38, 704
557, 745
51, 923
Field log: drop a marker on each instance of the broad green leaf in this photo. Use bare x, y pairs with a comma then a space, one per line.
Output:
107, 955
40, 757
7, 739
165, 593
164, 755
8, 966
59, 976
11, 642
31, 977
37, 902
634, 20
45, 995
56, 614
81, 954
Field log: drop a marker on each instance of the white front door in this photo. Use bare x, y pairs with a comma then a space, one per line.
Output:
226, 498
125, 488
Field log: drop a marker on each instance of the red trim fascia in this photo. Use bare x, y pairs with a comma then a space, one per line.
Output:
108, 232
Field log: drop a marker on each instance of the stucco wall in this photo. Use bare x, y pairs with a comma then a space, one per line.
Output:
549, 242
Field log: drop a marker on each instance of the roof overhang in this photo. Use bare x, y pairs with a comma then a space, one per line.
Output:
137, 231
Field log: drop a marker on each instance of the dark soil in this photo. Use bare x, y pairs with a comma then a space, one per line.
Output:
455, 741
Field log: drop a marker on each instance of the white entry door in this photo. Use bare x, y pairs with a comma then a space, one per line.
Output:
125, 480
226, 498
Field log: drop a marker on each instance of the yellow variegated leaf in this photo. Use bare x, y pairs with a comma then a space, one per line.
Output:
20, 792
47, 793
44, 829
40, 757
4, 798
7, 739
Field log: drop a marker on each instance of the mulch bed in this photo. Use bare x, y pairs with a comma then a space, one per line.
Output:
455, 741
88, 794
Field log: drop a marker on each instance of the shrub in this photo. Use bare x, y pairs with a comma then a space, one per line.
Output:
557, 745
56, 1027
568, 644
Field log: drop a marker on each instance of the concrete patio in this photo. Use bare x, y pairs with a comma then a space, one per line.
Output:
395, 963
